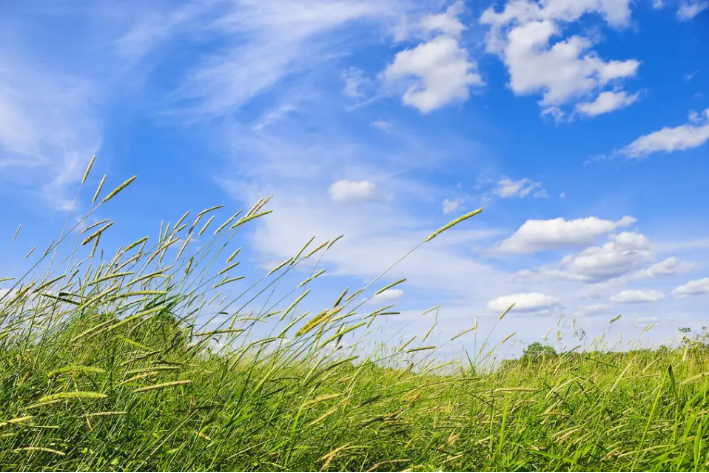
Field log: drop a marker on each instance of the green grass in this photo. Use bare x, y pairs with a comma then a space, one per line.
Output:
136, 362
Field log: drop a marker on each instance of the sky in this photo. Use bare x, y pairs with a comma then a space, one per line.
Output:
579, 126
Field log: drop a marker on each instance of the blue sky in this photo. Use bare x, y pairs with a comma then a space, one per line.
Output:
580, 127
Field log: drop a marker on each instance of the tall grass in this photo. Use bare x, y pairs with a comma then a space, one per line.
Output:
142, 361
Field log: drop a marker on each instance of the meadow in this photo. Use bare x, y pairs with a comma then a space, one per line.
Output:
143, 360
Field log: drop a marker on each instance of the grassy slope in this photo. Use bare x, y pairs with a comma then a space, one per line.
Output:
109, 368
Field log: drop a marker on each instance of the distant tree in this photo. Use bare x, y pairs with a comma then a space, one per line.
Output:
536, 350
698, 340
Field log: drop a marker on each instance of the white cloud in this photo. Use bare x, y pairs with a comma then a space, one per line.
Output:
565, 70
616, 13
619, 256
354, 82
276, 39
376, 236
618, 259
383, 125
447, 22
49, 129
657, 4
622, 254
527, 302
444, 73
666, 267
692, 288
606, 102
352, 191
273, 117
387, 297
638, 296
440, 67
668, 140
152, 28
377, 233
690, 76
507, 188
536, 235
450, 206
688, 9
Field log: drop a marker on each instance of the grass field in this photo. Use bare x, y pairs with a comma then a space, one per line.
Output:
140, 361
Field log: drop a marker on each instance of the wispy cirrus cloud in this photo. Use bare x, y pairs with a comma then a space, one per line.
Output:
50, 126
688, 9
355, 81
276, 38
508, 188
451, 205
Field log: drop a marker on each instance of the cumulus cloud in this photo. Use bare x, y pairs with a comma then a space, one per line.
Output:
622, 256
537, 235
688, 9
450, 206
446, 23
668, 139
667, 267
439, 68
524, 35
387, 297
692, 288
352, 191
637, 296
527, 302
619, 256
507, 188
606, 102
